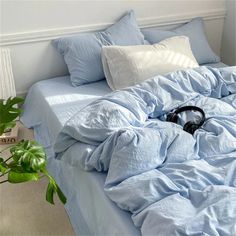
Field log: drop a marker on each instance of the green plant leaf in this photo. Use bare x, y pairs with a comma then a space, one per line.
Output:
28, 163
19, 177
61, 195
50, 192
30, 155
8, 112
3, 166
3, 169
53, 188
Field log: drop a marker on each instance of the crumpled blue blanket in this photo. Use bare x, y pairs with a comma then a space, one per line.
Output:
173, 183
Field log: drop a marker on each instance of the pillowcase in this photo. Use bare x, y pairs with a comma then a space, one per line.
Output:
82, 52
128, 65
194, 30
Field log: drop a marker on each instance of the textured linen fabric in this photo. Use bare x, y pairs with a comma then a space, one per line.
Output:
194, 30
129, 65
172, 182
82, 52
60, 101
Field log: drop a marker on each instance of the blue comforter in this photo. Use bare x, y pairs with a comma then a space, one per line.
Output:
173, 183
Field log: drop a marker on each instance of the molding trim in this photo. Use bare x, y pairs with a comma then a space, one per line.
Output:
49, 34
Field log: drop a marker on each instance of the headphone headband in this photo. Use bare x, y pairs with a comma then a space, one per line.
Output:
190, 126
191, 108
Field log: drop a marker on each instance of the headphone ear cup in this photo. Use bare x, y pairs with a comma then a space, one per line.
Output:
190, 127
172, 117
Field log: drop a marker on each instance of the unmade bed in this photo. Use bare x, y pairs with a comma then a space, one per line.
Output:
49, 104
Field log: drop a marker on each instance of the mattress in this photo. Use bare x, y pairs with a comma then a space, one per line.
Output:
49, 104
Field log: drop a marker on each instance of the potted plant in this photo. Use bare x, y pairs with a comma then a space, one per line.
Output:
27, 159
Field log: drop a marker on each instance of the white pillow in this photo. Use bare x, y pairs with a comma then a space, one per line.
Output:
129, 65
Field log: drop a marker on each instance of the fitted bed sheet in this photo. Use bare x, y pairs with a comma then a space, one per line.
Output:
49, 104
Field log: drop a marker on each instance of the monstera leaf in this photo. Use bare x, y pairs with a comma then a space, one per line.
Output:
8, 113
18, 176
53, 188
28, 163
29, 155
27, 160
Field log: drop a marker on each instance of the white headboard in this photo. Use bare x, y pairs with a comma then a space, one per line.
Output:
28, 37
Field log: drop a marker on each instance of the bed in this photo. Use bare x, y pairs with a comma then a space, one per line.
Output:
90, 211
80, 121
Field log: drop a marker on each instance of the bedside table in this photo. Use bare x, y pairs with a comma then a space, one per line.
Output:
23, 133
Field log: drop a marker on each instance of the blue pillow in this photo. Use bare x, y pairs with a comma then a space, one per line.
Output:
82, 52
194, 30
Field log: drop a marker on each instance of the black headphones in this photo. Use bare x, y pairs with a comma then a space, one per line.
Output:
190, 126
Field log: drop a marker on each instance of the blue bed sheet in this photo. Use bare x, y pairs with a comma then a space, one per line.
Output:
50, 103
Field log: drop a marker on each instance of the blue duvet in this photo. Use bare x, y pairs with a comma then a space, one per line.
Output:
173, 183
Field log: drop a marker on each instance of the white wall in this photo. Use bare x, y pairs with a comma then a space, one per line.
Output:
21, 16
229, 34
28, 26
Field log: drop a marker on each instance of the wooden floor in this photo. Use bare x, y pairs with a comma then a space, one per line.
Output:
24, 210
